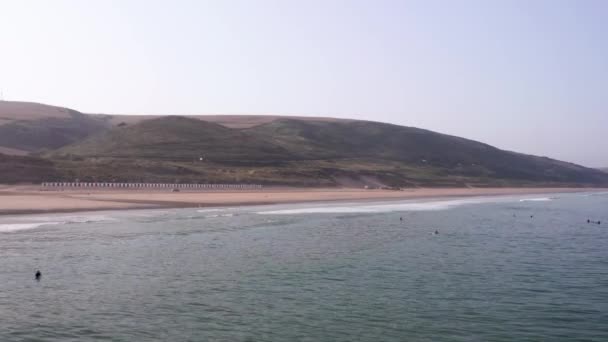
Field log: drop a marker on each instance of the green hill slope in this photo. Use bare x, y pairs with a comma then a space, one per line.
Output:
417, 147
300, 151
297, 152
362, 139
19, 169
174, 138
31, 127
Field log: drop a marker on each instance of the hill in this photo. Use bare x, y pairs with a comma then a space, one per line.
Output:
260, 149
230, 121
19, 169
13, 111
30, 127
27, 127
298, 152
418, 148
174, 138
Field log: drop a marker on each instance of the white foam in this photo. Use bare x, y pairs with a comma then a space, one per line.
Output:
208, 210
12, 224
598, 194
87, 219
67, 219
11, 227
219, 215
541, 199
384, 207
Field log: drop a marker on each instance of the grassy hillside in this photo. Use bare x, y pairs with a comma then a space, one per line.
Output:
15, 111
230, 121
174, 138
27, 127
296, 152
49, 133
260, 149
30, 127
417, 147
18, 169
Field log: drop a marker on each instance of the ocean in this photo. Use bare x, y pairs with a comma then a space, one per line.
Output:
518, 268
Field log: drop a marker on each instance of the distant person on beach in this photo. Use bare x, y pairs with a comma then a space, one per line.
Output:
38, 275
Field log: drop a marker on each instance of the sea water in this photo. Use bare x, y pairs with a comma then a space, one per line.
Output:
501, 269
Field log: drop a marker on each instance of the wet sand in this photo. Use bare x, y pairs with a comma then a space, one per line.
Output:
31, 199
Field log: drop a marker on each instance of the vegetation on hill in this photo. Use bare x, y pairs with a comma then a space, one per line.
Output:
266, 149
296, 152
14, 110
174, 138
27, 127
49, 132
20, 169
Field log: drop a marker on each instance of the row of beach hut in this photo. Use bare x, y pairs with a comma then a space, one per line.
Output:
149, 185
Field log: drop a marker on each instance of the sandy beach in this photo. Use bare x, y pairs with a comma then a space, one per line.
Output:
31, 199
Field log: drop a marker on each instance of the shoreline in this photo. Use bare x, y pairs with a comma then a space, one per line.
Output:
24, 200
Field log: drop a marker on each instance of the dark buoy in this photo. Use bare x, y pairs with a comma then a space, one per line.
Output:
588, 221
436, 232
598, 222
38, 275
531, 216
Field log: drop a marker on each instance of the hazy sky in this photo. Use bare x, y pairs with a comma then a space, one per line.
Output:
529, 76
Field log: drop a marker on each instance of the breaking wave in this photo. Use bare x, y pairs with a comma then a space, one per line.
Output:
33, 222
384, 207
12, 227
541, 199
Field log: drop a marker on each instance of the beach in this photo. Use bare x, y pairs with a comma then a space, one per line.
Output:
33, 199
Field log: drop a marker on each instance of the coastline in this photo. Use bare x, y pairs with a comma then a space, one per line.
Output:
24, 200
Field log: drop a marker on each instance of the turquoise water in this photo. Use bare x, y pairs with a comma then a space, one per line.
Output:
331, 272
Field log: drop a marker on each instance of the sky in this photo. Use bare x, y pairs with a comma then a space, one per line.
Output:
528, 76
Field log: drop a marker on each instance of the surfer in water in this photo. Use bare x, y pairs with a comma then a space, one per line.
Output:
436, 232
38, 275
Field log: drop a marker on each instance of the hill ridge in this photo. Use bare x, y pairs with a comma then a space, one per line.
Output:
276, 150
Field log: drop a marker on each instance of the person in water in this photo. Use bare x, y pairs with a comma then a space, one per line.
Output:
436, 232
38, 275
